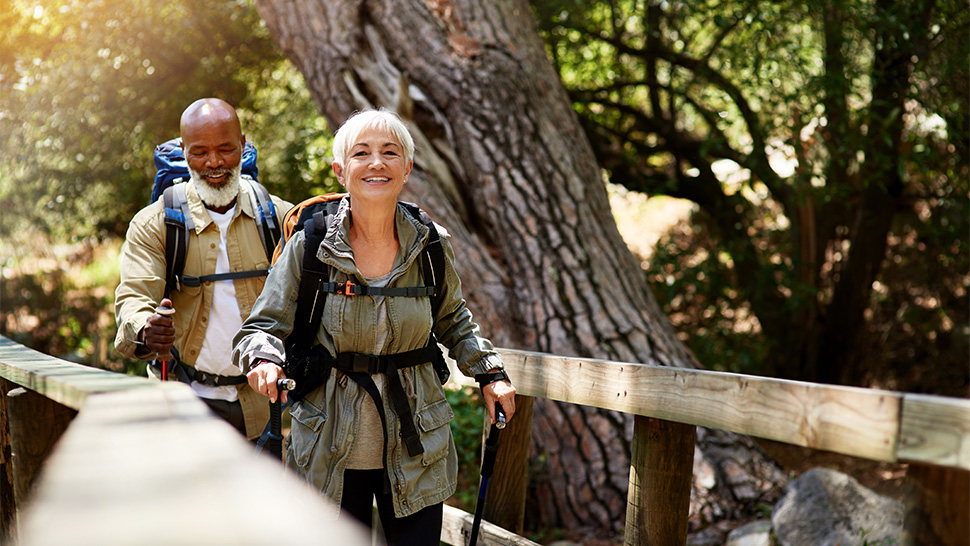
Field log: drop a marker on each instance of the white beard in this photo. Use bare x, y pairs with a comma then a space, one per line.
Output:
221, 196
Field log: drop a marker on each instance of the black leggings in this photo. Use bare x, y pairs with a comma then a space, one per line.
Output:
360, 488
231, 412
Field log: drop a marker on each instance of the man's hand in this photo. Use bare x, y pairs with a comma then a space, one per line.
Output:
159, 331
262, 379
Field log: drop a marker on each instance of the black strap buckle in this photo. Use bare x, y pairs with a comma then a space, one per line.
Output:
202, 377
366, 363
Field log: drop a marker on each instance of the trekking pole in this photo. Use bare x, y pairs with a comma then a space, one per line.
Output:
488, 464
275, 441
164, 358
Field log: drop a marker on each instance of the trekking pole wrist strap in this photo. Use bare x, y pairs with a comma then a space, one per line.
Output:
491, 377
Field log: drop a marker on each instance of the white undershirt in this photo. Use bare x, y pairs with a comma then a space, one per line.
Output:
224, 322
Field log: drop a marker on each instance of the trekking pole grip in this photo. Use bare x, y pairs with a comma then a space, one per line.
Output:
275, 442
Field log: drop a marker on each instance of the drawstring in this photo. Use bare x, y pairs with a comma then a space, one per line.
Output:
409, 383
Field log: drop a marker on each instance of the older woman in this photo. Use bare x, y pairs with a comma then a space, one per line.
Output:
349, 438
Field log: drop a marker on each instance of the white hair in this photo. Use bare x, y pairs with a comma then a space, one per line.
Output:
384, 120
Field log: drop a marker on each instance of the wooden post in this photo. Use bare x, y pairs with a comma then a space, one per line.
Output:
936, 506
8, 507
661, 472
505, 499
36, 423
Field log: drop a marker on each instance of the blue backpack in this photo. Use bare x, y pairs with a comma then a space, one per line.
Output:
170, 181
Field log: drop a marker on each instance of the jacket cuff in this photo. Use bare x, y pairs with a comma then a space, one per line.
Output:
258, 357
487, 364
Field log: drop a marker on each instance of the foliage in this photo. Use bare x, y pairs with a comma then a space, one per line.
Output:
57, 300
89, 88
466, 428
812, 140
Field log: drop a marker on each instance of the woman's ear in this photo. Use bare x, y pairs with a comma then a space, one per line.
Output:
339, 172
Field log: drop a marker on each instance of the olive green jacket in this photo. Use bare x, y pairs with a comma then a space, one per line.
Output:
143, 282
326, 420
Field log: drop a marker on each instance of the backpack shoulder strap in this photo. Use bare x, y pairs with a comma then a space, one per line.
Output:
265, 210
309, 307
296, 217
433, 256
178, 226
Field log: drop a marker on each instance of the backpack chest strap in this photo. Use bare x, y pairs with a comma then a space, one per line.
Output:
351, 288
197, 281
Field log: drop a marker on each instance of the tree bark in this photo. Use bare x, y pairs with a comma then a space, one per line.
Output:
935, 506
504, 165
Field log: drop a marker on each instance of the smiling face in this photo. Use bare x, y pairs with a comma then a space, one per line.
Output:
213, 144
375, 166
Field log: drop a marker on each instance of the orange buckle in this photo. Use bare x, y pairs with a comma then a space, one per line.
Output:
348, 288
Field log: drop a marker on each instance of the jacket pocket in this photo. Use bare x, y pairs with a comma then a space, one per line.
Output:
305, 430
435, 435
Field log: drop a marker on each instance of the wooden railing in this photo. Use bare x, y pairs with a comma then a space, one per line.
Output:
145, 462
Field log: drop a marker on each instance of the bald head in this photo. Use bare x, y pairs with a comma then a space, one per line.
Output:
209, 112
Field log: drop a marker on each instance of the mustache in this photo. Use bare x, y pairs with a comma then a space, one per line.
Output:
215, 172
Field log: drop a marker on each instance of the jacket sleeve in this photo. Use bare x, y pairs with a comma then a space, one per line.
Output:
142, 279
454, 326
271, 319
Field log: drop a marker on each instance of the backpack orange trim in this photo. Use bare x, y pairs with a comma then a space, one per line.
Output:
293, 217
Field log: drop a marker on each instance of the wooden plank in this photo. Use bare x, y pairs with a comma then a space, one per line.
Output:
507, 488
854, 421
456, 529
661, 473
8, 506
935, 430
155, 467
64, 382
36, 424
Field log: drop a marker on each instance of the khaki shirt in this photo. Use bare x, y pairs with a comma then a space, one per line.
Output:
143, 282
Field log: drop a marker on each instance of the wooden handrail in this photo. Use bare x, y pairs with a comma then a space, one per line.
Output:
154, 421
873, 424
146, 462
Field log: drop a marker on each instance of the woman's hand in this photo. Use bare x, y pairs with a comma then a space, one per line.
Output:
502, 392
262, 379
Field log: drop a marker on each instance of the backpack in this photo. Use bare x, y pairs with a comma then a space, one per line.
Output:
170, 180
313, 216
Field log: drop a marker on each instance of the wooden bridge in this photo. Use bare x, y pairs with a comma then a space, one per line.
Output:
141, 462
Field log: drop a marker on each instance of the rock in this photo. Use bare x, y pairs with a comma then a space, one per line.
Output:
756, 533
823, 507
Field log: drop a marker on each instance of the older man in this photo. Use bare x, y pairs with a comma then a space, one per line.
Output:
225, 239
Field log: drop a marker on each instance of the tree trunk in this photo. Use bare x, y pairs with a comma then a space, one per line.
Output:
503, 163
900, 24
